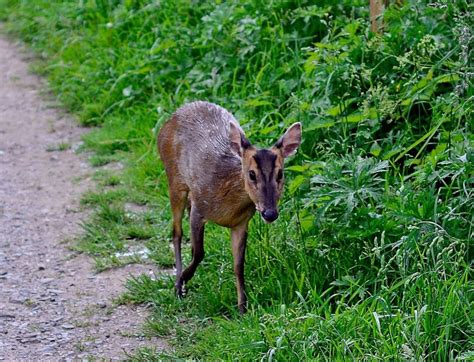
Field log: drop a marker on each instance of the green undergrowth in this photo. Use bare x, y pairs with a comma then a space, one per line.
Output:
371, 257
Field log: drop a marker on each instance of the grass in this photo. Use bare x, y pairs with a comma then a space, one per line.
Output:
59, 147
371, 257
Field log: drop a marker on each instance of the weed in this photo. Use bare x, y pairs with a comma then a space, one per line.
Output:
60, 147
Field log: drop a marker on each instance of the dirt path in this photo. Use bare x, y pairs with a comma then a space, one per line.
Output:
52, 305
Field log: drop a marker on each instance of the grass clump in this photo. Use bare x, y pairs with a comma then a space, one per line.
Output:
371, 257
64, 146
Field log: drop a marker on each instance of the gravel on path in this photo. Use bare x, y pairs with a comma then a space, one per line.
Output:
52, 305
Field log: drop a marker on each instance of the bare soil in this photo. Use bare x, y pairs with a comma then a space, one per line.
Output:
52, 304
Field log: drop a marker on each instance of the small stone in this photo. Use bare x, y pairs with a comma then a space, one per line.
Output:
30, 335
16, 300
68, 326
29, 340
7, 316
48, 349
55, 291
47, 280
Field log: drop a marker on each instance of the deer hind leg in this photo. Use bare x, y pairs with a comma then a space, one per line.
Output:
178, 200
197, 243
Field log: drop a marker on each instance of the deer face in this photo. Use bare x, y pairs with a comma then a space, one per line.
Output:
262, 169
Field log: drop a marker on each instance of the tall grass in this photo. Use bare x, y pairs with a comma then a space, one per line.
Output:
371, 257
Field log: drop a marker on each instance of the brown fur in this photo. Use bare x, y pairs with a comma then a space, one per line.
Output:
208, 161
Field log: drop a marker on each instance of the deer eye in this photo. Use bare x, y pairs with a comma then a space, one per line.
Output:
279, 175
252, 175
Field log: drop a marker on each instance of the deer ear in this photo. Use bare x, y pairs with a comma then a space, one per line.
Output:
238, 141
290, 141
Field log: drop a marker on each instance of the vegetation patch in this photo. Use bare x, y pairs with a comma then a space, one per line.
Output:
371, 256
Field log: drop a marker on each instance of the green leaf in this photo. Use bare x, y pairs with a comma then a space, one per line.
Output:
297, 168
320, 123
337, 110
296, 183
358, 117
257, 103
375, 149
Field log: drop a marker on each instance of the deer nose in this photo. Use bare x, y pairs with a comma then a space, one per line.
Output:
270, 215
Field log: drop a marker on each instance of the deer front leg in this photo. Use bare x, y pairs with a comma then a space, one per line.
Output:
178, 203
239, 241
197, 245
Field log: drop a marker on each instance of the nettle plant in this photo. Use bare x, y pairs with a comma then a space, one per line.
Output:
365, 87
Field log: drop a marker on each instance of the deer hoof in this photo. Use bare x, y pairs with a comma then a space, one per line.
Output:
243, 308
180, 290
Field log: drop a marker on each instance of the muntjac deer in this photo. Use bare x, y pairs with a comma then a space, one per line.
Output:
211, 164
